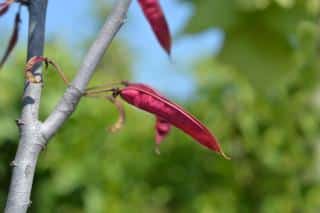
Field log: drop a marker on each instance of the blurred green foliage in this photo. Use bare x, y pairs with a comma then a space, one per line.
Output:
259, 95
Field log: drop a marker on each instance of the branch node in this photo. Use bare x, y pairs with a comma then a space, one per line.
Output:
43, 146
19, 122
35, 79
81, 92
13, 163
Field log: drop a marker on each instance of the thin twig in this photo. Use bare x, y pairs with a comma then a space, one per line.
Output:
99, 91
122, 115
77, 88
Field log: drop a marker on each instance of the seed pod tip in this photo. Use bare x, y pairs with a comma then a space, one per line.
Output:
157, 149
224, 155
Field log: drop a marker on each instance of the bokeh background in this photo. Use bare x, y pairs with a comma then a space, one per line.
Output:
249, 69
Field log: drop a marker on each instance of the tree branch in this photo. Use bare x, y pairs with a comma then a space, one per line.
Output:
31, 141
33, 134
73, 94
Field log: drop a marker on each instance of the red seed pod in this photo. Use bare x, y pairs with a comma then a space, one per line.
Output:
162, 126
155, 16
13, 40
4, 6
162, 129
142, 98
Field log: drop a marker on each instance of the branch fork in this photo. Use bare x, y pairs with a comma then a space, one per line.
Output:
34, 134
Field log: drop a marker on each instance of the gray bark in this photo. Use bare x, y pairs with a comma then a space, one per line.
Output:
34, 135
31, 141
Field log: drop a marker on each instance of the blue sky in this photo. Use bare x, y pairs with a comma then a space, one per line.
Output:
151, 63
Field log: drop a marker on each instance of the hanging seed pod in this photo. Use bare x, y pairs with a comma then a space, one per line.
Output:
155, 16
143, 97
